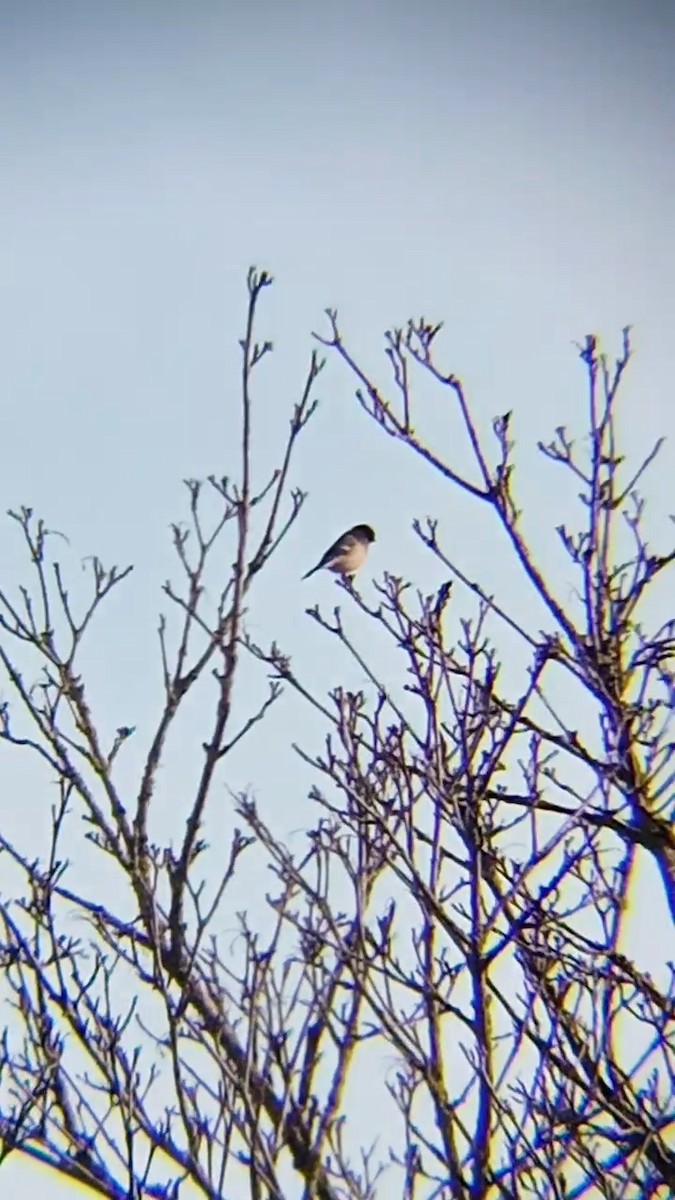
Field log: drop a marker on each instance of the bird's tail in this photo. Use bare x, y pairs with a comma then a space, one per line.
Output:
310, 573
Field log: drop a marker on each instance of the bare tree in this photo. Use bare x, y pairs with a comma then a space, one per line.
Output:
425, 1011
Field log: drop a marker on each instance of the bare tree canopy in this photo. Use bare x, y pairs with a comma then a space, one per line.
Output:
443, 949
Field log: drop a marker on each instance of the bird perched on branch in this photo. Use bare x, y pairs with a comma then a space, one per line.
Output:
346, 554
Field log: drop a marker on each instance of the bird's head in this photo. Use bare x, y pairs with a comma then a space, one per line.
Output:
365, 532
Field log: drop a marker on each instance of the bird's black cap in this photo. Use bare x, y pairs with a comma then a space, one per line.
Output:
364, 531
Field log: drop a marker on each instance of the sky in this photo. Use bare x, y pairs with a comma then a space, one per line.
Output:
506, 167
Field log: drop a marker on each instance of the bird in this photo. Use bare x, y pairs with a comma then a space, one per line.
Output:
347, 553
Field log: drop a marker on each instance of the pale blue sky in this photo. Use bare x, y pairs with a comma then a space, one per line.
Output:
506, 167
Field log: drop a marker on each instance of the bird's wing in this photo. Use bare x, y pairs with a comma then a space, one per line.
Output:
339, 547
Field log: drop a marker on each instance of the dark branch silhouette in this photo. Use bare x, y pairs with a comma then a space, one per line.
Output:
445, 952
